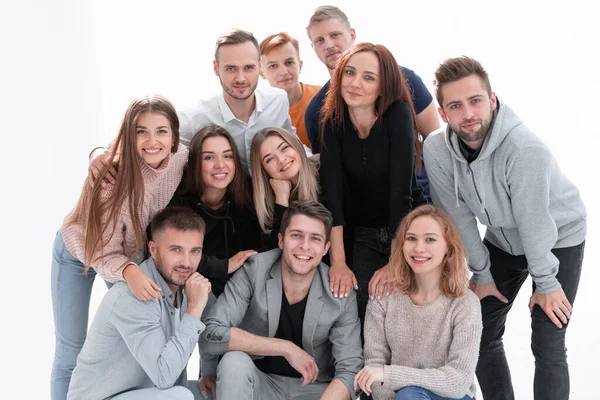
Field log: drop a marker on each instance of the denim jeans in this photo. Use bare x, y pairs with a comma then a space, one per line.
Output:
551, 380
371, 251
71, 291
418, 393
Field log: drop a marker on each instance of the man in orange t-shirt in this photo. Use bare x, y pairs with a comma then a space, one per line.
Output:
280, 55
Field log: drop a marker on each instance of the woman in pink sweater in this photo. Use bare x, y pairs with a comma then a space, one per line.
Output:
422, 341
105, 233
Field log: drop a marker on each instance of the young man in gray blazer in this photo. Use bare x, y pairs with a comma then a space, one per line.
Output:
281, 332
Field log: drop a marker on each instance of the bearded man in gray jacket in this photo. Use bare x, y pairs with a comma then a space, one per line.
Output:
489, 166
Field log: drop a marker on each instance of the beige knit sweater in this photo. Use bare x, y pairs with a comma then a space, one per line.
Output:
159, 187
434, 346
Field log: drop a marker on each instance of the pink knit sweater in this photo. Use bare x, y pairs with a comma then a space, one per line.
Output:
159, 186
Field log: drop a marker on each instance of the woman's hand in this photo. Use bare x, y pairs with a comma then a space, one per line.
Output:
341, 280
378, 283
282, 189
368, 376
238, 260
140, 284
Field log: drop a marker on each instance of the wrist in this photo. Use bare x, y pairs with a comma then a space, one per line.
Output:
94, 151
195, 311
282, 200
129, 270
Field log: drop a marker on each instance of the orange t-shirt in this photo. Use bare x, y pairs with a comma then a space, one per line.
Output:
297, 111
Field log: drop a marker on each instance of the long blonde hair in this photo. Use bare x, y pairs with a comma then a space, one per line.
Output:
95, 215
454, 266
264, 198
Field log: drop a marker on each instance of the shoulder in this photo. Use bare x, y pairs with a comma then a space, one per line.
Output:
315, 104
272, 94
467, 306
260, 264
181, 155
311, 90
398, 109
122, 303
435, 142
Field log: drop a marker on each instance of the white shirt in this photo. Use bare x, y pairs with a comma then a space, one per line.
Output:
272, 110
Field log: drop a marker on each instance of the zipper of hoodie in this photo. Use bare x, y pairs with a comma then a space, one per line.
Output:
470, 172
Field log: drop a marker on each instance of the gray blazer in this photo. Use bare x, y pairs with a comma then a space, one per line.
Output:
252, 302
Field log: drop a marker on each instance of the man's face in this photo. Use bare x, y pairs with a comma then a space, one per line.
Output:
176, 254
330, 38
238, 69
281, 67
303, 245
468, 109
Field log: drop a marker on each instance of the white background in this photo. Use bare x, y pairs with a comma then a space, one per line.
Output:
69, 69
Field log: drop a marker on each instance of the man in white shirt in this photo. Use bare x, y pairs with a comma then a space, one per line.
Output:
241, 107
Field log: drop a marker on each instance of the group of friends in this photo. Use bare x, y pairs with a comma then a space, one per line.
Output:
315, 242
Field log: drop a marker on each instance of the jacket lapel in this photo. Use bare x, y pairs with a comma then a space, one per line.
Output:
274, 291
314, 304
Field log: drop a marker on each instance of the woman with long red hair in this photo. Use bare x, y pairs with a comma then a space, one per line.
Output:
422, 341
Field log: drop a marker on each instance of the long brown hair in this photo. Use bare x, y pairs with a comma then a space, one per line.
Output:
98, 209
264, 198
454, 265
192, 184
393, 87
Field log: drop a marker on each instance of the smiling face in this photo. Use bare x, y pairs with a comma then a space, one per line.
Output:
281, 67
218, 165
424, 246
330, 38
303, 245
238, 69
279, 159
176, 254
360, 80
154, 138
469, 109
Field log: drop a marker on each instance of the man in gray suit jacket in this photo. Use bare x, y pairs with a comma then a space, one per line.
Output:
281, 332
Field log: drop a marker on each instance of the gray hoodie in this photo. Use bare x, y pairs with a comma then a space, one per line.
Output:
516, 189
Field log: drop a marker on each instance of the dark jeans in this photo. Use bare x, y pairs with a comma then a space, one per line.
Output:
551, 379
371, 251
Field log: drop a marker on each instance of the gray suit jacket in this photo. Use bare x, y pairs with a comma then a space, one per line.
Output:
252, 302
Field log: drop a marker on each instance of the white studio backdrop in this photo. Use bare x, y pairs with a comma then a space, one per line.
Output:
69, 69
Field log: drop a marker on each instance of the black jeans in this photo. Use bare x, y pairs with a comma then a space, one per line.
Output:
371, 251
551, 379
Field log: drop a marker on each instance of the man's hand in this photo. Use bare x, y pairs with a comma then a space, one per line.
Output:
556, 306
341, 280
238, 260
208, 383
98, 160
197, 288
302, 362
486, 290
378, 283
368, 376
282, 189
140, 284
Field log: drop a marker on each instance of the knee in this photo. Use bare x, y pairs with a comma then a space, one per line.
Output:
411, 393
178, 393
234, 365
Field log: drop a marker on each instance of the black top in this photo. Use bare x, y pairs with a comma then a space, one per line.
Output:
229, 229
379, 171
469, 154
290, 328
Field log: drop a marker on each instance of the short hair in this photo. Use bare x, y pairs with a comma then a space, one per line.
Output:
454, 69
454, 265
235, 36
178, 218
276, 40
311, 209
323, 13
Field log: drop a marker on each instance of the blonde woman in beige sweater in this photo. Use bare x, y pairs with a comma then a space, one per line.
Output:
106, 232
422, 341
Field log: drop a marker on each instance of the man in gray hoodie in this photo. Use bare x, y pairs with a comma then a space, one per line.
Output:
489, 166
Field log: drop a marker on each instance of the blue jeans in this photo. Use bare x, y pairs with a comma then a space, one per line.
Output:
418, 393
71, 292
551, 380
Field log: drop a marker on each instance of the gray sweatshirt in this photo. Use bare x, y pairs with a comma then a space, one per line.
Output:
516, 189
134, 344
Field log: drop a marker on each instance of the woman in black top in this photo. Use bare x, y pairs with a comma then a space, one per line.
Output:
370, 147
216, 186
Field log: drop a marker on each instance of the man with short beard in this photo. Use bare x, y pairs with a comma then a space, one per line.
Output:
139, 350
281, 332
489, 166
